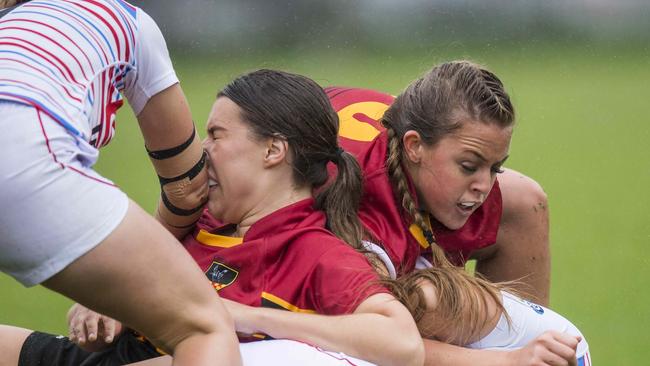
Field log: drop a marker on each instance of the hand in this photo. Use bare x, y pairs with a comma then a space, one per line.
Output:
90, 330
549, 349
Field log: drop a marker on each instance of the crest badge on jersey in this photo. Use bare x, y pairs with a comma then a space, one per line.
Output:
221, 275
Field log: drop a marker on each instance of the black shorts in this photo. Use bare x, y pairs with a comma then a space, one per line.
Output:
42, 349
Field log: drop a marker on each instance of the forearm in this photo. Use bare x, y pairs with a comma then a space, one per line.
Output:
522, 250
367, 336
177, 156
443, 354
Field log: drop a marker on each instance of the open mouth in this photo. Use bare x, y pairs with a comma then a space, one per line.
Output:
468, 206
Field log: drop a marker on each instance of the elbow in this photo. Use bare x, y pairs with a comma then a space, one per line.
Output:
415, 355
410, 351
521, 193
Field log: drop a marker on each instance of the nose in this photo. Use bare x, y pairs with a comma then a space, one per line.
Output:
483, 183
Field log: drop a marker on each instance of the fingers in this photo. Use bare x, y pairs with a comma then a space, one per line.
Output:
564, 345
83, 324
91, 324
110, 329
83, 327
558, 348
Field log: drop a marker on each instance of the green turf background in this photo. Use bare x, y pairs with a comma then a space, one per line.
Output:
582, 132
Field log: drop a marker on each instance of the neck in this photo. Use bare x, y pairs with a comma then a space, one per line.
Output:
270, 203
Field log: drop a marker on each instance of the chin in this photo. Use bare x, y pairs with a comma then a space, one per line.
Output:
217, 214
454, 224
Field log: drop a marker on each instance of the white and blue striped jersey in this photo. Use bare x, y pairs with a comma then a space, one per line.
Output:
73, 59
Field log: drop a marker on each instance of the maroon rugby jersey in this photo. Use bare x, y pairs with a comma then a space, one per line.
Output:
286, 260
361, 133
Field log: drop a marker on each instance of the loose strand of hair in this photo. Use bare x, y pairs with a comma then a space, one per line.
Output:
461, 301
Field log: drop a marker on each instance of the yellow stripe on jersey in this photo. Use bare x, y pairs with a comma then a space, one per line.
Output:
278, 301
354, 129
215, 240
417, 233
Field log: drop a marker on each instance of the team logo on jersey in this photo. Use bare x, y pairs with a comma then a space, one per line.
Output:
538, 309
221, 275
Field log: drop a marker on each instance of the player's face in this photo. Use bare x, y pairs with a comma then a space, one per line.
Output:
235, 160
456, 174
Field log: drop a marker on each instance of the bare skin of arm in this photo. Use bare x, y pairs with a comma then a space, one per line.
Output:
166, 122
551, 348
365, 334
522, 251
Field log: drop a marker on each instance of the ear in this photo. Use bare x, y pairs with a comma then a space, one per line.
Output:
413, 148
276, 151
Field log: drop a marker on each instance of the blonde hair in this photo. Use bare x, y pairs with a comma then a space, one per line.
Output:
434, 106
461, 305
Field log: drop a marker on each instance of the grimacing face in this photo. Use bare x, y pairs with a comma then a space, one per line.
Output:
455, 175
235, 159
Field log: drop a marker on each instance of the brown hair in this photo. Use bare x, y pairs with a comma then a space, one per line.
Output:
434, 106
461, 305
9, 3
295, 108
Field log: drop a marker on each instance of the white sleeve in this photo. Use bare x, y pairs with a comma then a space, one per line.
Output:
153, 67
528, 321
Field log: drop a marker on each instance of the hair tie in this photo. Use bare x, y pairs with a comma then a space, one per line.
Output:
337, 155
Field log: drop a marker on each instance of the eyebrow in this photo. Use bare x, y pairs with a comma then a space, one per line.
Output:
481, 157
213, 129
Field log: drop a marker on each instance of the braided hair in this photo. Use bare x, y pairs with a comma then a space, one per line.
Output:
434, 106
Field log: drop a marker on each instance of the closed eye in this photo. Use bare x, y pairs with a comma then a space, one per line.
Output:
468, 168
497, 169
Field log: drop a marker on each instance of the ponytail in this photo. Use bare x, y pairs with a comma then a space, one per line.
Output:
340, 200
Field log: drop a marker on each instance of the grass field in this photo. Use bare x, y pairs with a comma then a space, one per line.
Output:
582, 132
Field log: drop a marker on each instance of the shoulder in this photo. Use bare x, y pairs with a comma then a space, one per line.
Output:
342, 97
520, 192
320, 247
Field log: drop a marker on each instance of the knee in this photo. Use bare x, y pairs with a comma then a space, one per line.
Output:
198, 320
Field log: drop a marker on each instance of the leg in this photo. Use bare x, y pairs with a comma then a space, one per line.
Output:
11, 342
159, 361
522, 250
141, 275
90, 243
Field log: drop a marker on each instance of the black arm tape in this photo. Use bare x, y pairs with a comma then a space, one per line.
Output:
193, 172
171, 152
180, 211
